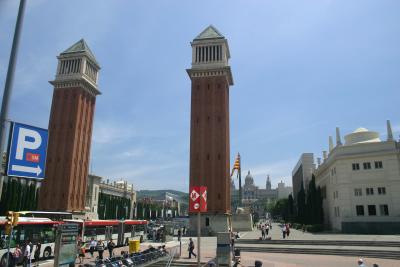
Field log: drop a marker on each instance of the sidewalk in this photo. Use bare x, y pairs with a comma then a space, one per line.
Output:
276, 234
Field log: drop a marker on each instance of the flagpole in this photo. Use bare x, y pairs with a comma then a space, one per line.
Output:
240, 181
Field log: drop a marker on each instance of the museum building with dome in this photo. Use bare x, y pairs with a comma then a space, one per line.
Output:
360, 182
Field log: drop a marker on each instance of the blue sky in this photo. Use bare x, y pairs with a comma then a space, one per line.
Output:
300, 69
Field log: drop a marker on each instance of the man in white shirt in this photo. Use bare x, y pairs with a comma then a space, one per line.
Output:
27, 254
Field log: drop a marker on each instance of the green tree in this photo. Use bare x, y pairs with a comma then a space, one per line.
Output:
314, 204
281, 209
319, 208
301, 205
3, 201
290, 208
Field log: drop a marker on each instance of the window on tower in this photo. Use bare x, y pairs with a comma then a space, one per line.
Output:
213, 52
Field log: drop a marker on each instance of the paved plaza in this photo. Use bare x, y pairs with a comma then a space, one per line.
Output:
209, 244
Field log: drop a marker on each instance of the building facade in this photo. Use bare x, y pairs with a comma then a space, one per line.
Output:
302, 172
254, 197
360, 183
104, 199
70, 130
211, 77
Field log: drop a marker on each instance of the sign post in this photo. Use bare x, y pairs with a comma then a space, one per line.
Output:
27, 151
65, 247
198, 204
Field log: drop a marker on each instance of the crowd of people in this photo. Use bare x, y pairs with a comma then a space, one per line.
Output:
265, 227
94, 246
24, 255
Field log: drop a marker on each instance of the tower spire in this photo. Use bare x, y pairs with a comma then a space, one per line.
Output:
389, 131
330, 144
338, 139
268, 185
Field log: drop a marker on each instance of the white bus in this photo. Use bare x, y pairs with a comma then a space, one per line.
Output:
29, 229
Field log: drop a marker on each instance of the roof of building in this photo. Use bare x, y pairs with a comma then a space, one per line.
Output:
209, 33
78, 47
361, 135
249, 180
360, 130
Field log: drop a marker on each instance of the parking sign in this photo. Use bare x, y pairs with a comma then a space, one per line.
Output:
27, 151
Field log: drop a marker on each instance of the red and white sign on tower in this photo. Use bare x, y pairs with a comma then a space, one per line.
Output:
198, 199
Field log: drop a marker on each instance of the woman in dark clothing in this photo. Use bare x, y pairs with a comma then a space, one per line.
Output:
37, 253
100, 249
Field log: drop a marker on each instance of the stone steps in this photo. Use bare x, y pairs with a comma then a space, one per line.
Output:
321, 242
321, 251
177, 264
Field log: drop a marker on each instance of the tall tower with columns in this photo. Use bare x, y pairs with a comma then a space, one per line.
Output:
209, 127
70, 130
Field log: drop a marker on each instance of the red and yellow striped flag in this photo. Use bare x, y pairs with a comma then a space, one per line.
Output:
236, 165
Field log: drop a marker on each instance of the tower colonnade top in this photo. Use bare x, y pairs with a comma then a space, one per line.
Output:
210, 50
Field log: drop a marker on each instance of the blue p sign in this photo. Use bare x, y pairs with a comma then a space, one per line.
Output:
27, 152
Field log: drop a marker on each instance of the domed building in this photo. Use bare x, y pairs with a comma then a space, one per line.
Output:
360, 182
254, 197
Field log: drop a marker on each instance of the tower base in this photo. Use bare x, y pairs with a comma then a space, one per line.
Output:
210, 224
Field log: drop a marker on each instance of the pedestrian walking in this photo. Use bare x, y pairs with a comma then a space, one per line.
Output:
37, 253
100, 249
304, 228
27, 255
17, 256
262, 233
287, 230
82, 251
92, 246
267, 229
284, 231
191, 248
110, 247
361, 262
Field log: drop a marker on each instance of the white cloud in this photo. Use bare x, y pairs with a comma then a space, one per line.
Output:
106, 132
133, 153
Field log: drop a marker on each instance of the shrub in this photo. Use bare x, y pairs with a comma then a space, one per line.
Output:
314, 228
296, 225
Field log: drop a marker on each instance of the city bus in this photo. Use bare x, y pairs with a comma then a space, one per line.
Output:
52, 215
119, 231
29, 229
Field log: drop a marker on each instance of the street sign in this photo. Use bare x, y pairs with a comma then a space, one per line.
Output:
65, 245
203, 199
198, 199
27, 151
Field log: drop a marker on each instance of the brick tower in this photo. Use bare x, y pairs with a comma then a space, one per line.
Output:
209, 127
70, 130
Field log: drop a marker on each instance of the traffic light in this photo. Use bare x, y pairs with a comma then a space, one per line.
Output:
9, 222
15, 218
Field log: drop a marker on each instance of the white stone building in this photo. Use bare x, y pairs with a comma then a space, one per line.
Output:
360, 183
97, 185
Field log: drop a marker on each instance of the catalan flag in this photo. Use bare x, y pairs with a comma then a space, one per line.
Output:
236, 165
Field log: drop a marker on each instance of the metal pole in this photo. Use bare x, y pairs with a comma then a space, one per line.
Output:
198, 238
240, 186
9, 243
180, 247
10, 78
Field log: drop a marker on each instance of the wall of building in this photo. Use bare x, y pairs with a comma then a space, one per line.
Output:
302, 173
346, 187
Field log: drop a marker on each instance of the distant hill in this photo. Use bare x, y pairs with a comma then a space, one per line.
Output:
160, 194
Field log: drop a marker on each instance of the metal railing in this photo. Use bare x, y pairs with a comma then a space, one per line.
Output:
172, 256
